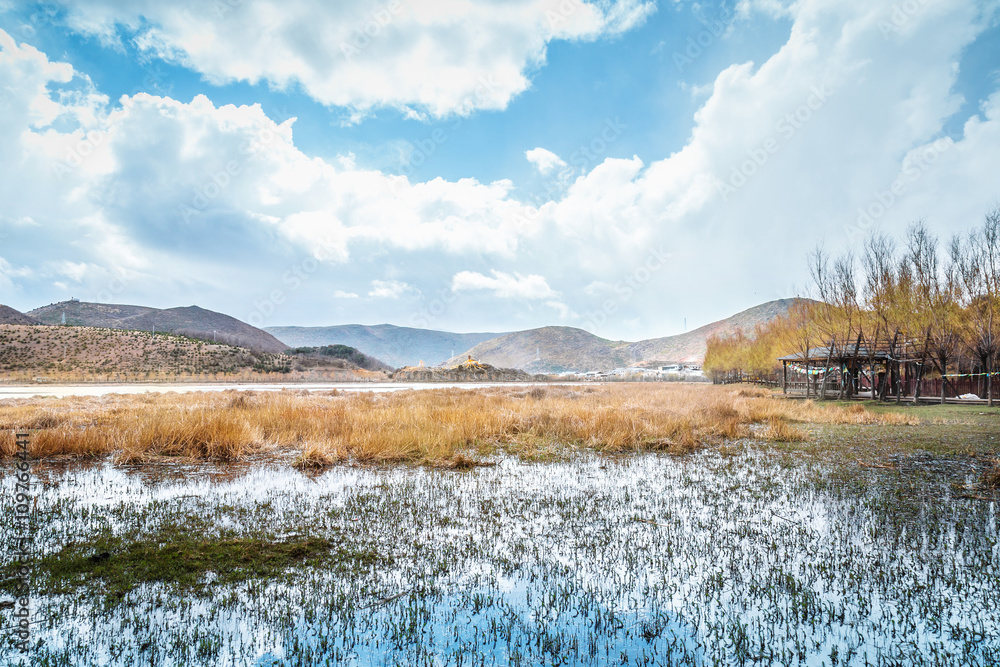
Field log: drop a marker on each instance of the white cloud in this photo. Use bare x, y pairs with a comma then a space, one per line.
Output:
544, 160
504, 285
440, 57
340, 294
229, 196
390, 289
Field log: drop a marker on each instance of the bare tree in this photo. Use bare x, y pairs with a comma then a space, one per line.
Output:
925, 288
880, 287
979, 268
845, 296
826, 317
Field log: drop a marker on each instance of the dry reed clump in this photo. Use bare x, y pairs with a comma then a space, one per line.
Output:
314, 455
991, 478
816, 413
8, 444
776, 430
751, 392
437, 426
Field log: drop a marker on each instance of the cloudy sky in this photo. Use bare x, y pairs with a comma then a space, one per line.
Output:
480, 165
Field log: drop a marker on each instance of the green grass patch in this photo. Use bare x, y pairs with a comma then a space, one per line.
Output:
184, 560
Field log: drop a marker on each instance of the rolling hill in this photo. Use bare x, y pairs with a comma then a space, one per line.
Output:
559, 349
690, 347
75, 353
188, 321
396, 346
549, 350
87, 351
10, 316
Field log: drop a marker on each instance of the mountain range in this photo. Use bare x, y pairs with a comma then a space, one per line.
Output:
189, 321
10, 316
396, 346
551, 349
562, 349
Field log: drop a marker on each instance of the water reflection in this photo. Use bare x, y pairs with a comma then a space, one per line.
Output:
745, 559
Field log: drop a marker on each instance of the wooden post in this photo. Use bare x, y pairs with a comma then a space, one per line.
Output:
826, 369
888, 367
784, 376
920, 368
944, 370
899, 381
855, 370
989, 380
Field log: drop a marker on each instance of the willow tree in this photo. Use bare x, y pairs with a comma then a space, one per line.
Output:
837, 314
940, 295
979, 268
880, 298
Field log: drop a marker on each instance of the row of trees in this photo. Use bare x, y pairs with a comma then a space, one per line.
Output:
933, 304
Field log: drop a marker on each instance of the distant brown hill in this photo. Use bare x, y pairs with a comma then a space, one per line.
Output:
397, 346
10, 316
690, 347
55, 350
73, 353
559, 349
188, 321
549, 350
470, 371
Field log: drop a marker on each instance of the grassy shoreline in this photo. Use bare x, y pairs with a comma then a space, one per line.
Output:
441, 426
580, 550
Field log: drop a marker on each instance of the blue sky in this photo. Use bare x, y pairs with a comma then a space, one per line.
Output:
617, 166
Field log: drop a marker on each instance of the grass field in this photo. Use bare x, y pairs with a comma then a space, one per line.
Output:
629, 524
446, 427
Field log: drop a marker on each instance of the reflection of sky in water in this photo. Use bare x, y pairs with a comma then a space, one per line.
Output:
501, 622
705, 559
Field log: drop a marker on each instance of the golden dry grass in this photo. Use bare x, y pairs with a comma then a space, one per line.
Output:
435, 426
991, 479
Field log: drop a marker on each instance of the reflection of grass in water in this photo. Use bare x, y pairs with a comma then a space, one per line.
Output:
846, 546
760, 555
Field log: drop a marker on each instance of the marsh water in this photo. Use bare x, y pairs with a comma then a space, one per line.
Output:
752, 557
96, 389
